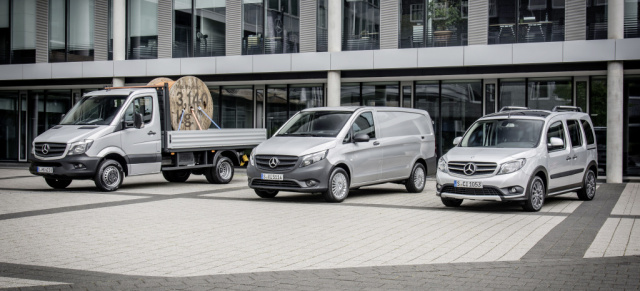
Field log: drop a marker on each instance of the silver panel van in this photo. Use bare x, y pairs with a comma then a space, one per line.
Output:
334, 149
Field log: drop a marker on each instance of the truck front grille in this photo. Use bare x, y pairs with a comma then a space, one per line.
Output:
481, 168
50, 150
486, 191
283, 163
269, 183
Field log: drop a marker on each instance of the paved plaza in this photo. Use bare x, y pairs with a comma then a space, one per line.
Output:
156, 235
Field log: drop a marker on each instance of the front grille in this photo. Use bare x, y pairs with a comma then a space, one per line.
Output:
51, 149
270, 183
285, 163
482, 168
471, 191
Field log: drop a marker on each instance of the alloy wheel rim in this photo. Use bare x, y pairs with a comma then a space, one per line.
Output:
591, 185
339, 185
224, 170
111, 176
418, 178
537, 194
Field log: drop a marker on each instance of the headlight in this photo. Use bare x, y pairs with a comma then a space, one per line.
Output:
80, 147
512, 166
313, 158
442, 165
252, 158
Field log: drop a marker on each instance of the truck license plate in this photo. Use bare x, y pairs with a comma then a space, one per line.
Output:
276, 177
467, 184
45, 170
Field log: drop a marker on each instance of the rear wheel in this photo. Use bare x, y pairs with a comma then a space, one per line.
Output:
338, 186
266, 193
109, 176
415, 183
451, 202
588, 190
57, 183
222, 173
178, 176
535, 199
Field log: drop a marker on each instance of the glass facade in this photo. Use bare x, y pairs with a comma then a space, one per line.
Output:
9, 125
597, 19
429, 23
526, 21
283, 101
322, 26
631, 23
370, 94
142, 30
17, 31
632, 126
546, 93
71, 30
270, 27
361, 25
199, 28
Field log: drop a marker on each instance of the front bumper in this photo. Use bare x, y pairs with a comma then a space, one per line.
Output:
68, 167
294, 180
508, 187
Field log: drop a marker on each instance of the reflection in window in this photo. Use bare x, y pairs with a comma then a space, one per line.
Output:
460, 106
548, 93
512, 93
71, 30
581, 95
598, 101
17, 31
526, 21
381, 94
237, 107
270, 27
632, 150
350, 94
142, 30
597, 19
631, 23
277, 113
490, 98
9, 125
322, 26
144, 106
199, 28
442, 23
364, 124
305, 96
361, 25
556, 130
284, 101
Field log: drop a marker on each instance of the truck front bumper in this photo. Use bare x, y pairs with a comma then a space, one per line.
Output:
68, 167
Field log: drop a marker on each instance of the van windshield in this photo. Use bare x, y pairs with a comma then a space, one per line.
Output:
315, 123
504, 133
94, 110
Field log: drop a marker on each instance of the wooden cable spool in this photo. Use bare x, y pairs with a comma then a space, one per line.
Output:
189, 93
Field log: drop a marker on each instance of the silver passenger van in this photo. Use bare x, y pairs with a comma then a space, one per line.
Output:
334, 149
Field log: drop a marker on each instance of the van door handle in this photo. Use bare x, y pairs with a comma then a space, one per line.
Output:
151, 132
575, 157
568, 158
375, 143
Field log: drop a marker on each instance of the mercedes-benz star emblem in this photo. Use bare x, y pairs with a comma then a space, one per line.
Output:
273, 162
469, 169
45, 148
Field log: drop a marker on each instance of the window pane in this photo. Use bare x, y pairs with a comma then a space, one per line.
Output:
304, 96
406, 96
252, 27
631, 23
574, 133
142, 20
412, 23
5, 34
364, 124
350, 94
23, 32
57, 30
182, 31
80, 27
461, 105
282, 30
361, 25
548, 93
541, 21
588, 131
512, 93
598, 101
597, 19
447, 23
632, 151
556, 130
58, 104
237, 107
581, 95
9, 125
210, 28
276, 108
381, 94
427, 97
490, 98
502, 21
322, 34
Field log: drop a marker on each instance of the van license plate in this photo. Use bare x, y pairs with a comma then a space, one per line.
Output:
276, 177
45, 170
467, 184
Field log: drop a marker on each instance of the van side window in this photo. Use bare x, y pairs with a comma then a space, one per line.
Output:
556, 130
144, 106
364, 124
588, 132
574, 133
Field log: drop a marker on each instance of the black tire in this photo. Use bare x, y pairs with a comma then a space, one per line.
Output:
109, 176
338, 186
179, 176
57, 183
451, 202
588, 190
416, 181
266, 193
535, 196
222, 173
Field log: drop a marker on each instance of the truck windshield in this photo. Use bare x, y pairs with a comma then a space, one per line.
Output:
315, 123
504, 133
94, 110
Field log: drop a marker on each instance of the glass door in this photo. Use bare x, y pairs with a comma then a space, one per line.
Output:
9, 125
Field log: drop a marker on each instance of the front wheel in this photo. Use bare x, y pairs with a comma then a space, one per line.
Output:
266, 193
338, 186
588, 190
535, 200
178, 176
222, 173
109, 176
415, 183
57, 183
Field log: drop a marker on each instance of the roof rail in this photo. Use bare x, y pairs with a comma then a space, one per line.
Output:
567, 109
513, 108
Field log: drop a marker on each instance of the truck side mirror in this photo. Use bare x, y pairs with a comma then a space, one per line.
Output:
361, 137
137, 120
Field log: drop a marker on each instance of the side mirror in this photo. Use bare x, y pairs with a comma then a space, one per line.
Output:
137, 120
457, 140
555, 142
361, 137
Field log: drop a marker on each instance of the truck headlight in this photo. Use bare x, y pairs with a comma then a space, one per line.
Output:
512, 166
80, 147
313, 158
442, 165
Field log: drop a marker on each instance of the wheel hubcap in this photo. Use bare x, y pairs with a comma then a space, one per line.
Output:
339, 185
224, 170
418, 178
591, 185
537, 194
111, 176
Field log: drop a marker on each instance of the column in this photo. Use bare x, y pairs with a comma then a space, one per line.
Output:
615, 108
119, 36
335, 45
